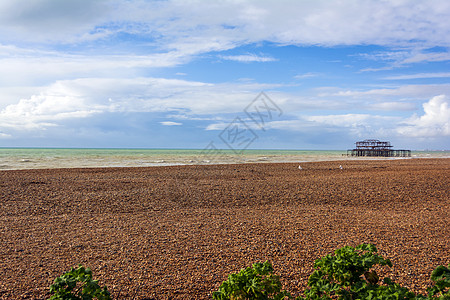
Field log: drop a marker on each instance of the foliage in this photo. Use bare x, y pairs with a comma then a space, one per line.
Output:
341, 275
441, 288
257, 282
346, 275
77, 284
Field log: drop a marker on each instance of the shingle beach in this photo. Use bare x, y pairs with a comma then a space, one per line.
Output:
177, 232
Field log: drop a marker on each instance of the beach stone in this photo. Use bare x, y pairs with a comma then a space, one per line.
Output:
177, 232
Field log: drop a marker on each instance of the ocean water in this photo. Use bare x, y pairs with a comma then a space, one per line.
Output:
43, 158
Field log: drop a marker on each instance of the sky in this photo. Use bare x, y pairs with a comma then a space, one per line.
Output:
306, 74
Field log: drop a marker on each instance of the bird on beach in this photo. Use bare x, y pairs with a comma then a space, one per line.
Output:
300, 167
340, 167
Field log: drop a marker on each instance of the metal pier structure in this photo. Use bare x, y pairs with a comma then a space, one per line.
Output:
377, 148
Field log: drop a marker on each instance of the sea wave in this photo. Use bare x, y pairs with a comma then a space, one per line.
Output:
33, 158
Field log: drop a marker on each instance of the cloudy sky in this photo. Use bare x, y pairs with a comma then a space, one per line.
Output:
180, 74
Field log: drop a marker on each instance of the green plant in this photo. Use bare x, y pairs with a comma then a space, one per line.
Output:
345, 275
441, 287
77, 284
257, 282
340, 275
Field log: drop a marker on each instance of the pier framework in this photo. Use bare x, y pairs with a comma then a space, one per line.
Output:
377, 148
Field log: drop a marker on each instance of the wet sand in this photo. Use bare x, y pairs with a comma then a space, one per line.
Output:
177, 232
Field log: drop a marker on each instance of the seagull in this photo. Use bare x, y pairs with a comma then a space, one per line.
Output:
300, 167
340, 167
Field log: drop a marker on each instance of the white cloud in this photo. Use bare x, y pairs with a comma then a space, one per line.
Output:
11, 94
4, 135
356, 123
299, 125
43, 20
202, 25
217, 126
45, 110
249, 123
28, 67
340, 127
392, 106
429, 57
348, 120
53, 70
406, 56
418, 76
248, 58
402, 56
306, 75
434, 122
82, 98
293, 103
170, 123
415, 91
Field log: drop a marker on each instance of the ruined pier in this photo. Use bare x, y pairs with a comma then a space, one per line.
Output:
377, 148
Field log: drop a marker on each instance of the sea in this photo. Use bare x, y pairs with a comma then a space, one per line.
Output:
51, 158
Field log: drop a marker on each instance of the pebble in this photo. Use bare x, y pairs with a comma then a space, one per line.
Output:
177, 232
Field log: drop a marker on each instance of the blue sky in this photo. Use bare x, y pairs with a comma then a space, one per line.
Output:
180, 74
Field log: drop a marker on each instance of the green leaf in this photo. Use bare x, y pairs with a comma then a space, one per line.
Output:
63, 286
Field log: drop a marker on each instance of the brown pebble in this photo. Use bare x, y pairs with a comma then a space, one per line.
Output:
177, 232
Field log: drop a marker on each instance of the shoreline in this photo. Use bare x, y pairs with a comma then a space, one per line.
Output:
340, 159
18, 159
177, 232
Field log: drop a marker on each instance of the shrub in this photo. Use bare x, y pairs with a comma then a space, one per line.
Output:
346, 275
441, 288
257, 282
77, 284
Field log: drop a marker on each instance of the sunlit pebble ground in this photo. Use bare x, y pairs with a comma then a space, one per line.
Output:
177, 232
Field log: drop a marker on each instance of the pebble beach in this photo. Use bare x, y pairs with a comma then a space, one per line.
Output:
176, 232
